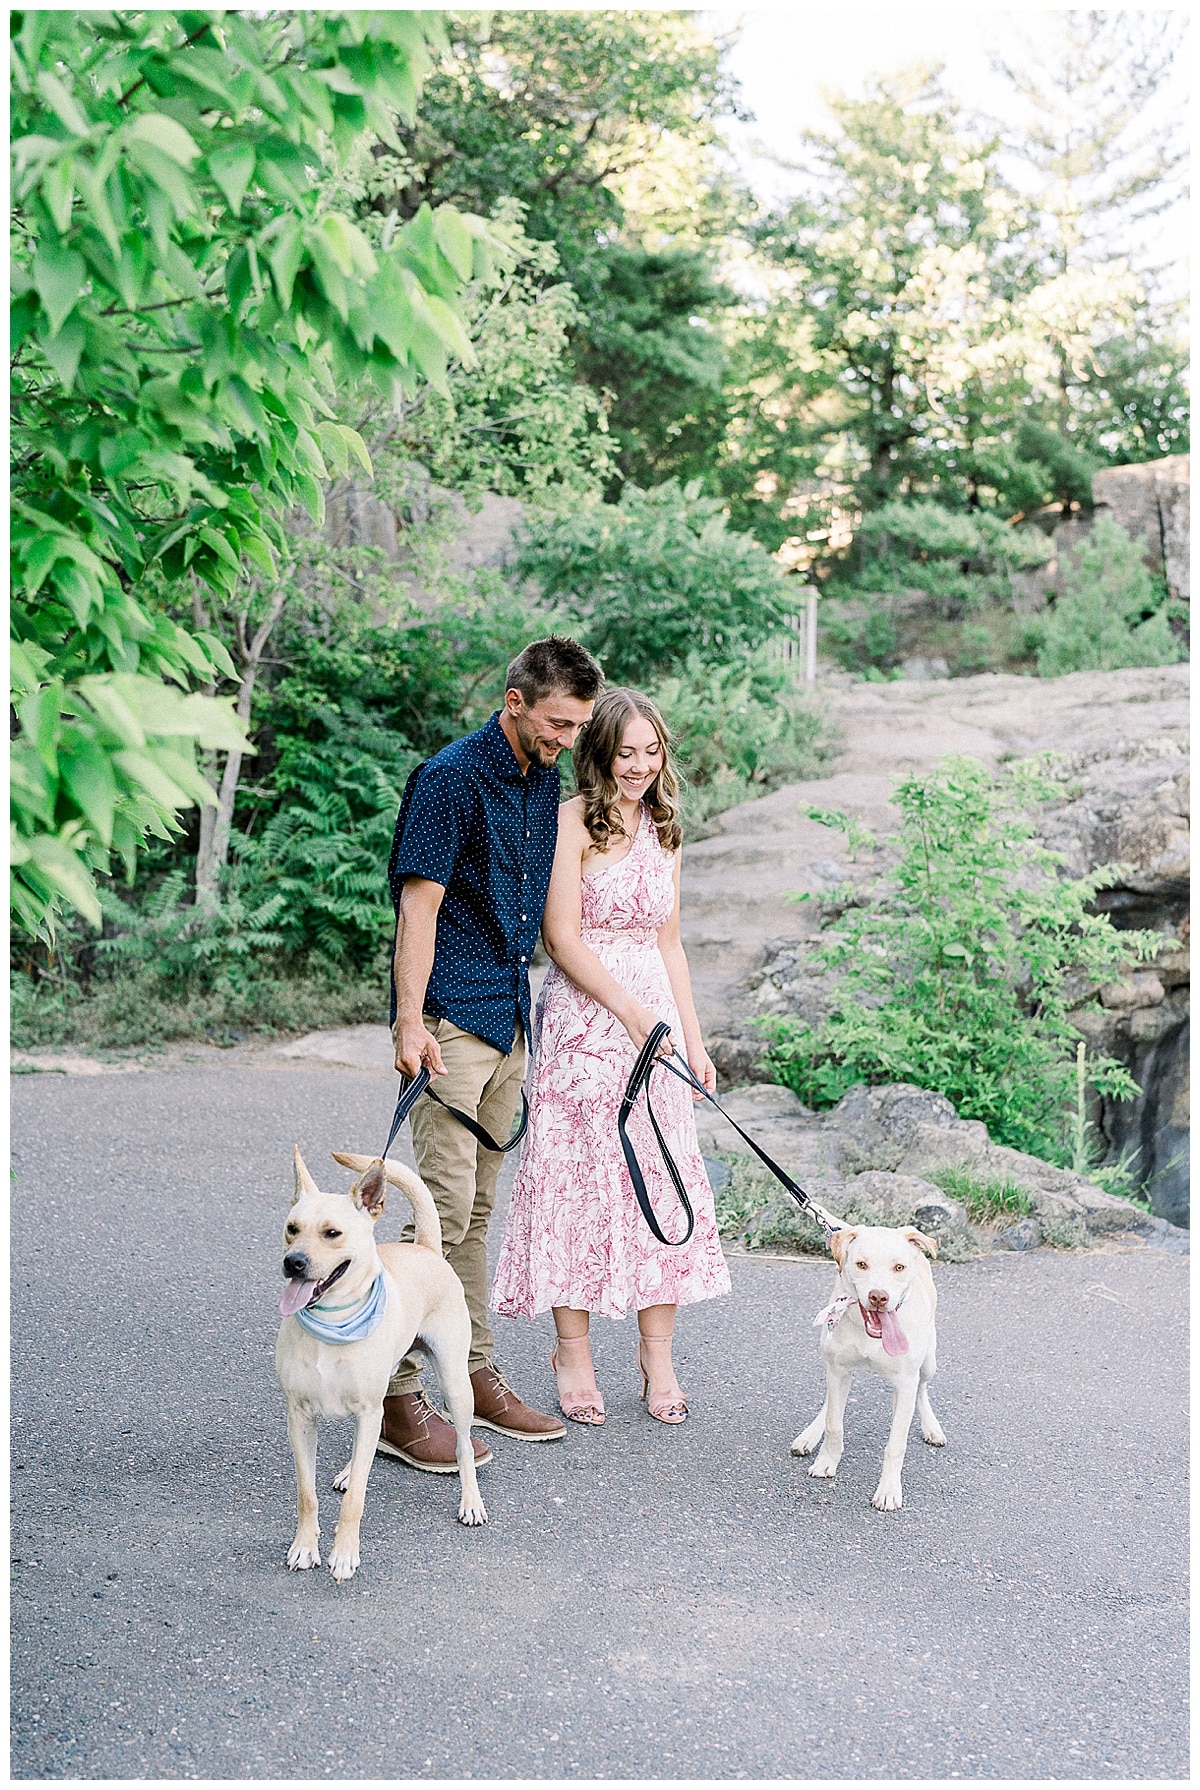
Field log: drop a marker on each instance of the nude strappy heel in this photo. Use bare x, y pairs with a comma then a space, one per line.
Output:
664, 1410
584, 1410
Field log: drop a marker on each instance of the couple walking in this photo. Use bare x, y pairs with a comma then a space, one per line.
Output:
482, 857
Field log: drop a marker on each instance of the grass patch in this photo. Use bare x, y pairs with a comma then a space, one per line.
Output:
133, 1009
753, 1210
986, 1199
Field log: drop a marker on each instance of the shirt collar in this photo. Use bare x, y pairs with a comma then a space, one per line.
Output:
503, 759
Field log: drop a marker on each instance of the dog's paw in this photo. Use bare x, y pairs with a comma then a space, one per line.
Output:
343, 1564
805, 1442
887, 1497
822, 1468
472, 1515
301, 1556
343, 1479
935, 1436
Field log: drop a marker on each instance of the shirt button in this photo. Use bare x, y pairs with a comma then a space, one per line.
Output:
524, 916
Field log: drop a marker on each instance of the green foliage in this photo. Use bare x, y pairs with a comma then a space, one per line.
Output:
1112, 610
186, 305
753, 1210
959, 557
655, 577
986, 1199
321, 856
954, 974
652, 341
739, 730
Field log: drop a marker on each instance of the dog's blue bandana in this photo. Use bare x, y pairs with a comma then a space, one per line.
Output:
368, 1317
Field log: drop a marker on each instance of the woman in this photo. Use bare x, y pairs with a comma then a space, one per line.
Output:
576, 1241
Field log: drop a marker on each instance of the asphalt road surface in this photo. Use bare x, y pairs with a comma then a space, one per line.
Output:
646, 1602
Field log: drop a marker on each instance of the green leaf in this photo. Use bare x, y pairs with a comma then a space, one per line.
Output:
232, 167
58, 190
63, 104
454, 240
58, 274
166, 134
284, 261
86, 770
66, 873
40, 715
142, 772
65, 350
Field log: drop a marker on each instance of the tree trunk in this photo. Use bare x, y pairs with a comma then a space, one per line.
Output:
216, 824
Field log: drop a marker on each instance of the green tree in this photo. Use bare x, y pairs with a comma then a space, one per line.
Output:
602, 126
187, 304
656, 577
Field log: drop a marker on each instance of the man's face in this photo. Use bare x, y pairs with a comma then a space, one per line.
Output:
548, 727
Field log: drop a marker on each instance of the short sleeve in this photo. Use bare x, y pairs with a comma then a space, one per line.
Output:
435, 827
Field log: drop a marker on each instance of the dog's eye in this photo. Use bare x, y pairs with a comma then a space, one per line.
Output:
860, 1264
331, 1236
290, 1230
899, 1267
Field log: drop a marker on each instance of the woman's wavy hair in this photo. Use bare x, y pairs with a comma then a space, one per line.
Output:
595, 756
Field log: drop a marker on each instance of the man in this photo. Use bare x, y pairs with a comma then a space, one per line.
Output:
469, 871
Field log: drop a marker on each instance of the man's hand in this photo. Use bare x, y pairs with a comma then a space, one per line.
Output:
416, 1046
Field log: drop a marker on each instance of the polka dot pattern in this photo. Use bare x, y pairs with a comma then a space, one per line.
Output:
472, 822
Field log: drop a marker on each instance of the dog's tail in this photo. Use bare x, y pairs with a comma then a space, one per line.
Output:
429, 1228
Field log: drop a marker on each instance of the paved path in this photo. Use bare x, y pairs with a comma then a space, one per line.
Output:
645, 1602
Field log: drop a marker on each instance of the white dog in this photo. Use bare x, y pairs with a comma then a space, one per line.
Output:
881, 1318
335, 1359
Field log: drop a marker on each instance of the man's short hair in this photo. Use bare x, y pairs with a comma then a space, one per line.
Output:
554, 664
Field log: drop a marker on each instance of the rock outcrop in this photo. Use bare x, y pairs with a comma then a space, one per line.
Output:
1123, 736
879, 1155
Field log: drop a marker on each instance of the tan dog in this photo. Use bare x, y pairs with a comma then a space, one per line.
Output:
881, 1318
383, 1297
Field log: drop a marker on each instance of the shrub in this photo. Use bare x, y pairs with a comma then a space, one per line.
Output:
960, 556
953, 975
739, 730
1112, 611
655, 578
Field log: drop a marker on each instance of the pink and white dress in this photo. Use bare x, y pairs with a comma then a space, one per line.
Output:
575, 1235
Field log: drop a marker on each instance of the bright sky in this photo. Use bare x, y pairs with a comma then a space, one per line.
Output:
784, 57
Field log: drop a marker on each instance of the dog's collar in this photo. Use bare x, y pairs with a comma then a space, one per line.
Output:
364, 1319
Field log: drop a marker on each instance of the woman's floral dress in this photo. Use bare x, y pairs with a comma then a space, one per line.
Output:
575, 1234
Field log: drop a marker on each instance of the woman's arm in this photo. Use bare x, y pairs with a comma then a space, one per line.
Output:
562, 924
671, 946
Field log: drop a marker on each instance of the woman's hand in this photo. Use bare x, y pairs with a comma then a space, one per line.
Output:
702, 1067
639, 1022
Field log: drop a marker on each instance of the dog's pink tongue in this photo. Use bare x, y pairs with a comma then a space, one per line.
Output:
894, 1340
296, 1296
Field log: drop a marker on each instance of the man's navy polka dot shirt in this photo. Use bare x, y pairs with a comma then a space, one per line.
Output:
472, 822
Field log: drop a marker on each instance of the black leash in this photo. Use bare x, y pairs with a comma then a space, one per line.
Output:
648, 1060
410, 1093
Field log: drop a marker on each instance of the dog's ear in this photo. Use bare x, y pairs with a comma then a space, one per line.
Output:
304, 1181
921, 1240
839, 1243
370, 1190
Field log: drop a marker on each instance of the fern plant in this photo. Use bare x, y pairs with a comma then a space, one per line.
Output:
323, 853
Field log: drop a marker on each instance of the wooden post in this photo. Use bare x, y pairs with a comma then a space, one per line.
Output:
810, 642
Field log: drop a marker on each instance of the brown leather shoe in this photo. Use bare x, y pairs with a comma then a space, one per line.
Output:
414, 1432
498, 1408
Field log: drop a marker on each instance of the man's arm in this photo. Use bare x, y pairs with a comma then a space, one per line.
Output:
416, 936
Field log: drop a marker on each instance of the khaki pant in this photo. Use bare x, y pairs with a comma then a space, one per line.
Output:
461, 1175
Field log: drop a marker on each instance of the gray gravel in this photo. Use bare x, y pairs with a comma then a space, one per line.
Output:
646, 1602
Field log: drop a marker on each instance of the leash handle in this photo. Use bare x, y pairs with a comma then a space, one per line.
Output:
410, 1093
639, 1079
805, 1201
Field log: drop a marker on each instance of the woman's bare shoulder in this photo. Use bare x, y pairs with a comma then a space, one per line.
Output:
570, 820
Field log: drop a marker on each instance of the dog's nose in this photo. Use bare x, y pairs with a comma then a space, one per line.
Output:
295, 1264
878, 1300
